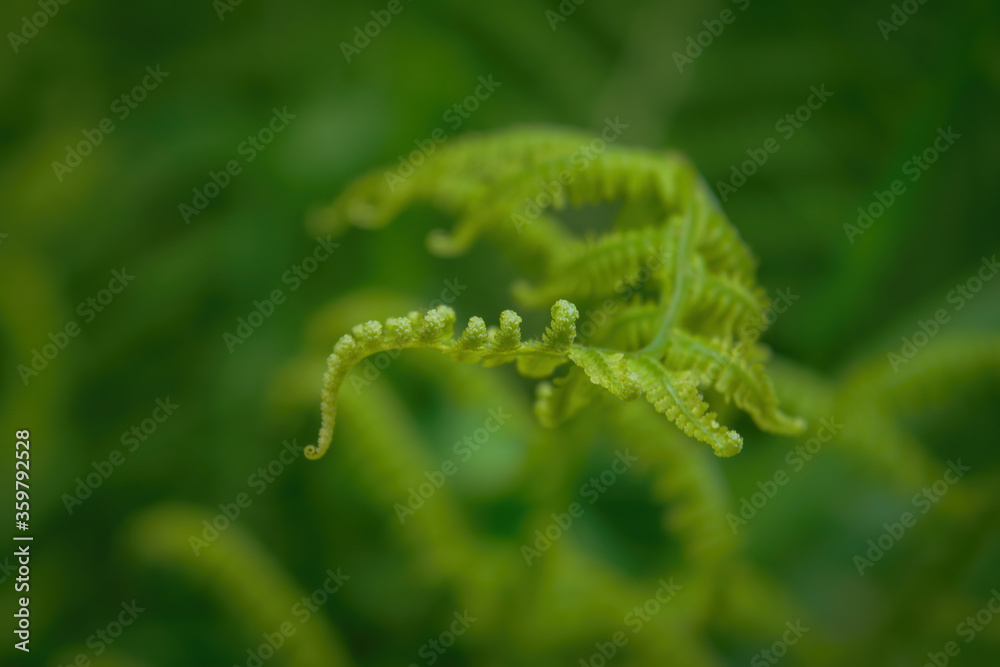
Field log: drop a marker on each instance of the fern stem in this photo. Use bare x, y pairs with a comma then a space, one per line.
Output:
658, 346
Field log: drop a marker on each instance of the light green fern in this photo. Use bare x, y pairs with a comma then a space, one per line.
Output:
666, 292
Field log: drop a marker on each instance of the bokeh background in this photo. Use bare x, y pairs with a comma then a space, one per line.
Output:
229, 67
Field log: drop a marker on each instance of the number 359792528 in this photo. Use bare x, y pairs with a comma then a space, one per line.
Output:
22, 466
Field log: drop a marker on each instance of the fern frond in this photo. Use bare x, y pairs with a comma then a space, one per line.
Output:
452, 177
723, 303
597, 268
720, 366
487, 181
630, 327
608, 370
720, 244
434, 330
564, 397
617, 173
532, 245
675, 394
670, 241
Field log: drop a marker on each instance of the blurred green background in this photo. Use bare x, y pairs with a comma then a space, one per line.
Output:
62, 234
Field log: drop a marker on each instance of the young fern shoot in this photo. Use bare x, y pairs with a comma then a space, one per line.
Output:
669, 291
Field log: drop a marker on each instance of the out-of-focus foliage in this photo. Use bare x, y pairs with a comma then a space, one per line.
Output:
169, 335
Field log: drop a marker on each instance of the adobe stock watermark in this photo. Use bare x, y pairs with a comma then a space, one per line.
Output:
432, 650
455, 116
626, 288
263, 309
121, 108
103, 638
757, 325
132, 438
786, 126
924, 500
796, 461
88, 310
779, 649
566, 9
579, 160
248, 150
374, 365
898, 17
967, 629
223, 7
914, 168
696, 44
926, 330
258, 481
635, 620
301, 613
591, 491
751, 330
7, 569
31, 25
464, 450
381, 20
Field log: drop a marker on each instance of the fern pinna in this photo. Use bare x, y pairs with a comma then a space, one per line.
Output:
668, 292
